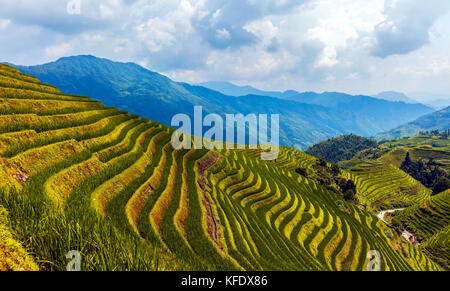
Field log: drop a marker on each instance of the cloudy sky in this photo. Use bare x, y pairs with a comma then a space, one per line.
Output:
353, 46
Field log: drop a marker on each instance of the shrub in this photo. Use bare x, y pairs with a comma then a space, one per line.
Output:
301, 171
388, 233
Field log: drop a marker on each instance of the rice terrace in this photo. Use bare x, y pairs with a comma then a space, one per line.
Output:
103, 167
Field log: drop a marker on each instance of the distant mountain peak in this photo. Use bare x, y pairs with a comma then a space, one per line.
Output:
438, 120
231, 89
395, 96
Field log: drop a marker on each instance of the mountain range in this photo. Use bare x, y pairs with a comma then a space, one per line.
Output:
439, 120
436, 101
231, 89
395, 96
305, 118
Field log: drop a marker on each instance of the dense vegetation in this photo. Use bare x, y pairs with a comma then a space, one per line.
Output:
428, 173
341, 148
429, 221
420, 219
13, 257
110, 185
438, 247
330, 177
425, 146
426, 157
436, 133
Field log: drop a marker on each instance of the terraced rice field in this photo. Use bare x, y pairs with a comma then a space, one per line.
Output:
12, 254
438, 247
397, 155
429, 221
110, 185
382, 186
427, 218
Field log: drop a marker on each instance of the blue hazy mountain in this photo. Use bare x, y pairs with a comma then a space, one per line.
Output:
395, 96
386, 114
437, 101
305, 119
439, 120
231, 89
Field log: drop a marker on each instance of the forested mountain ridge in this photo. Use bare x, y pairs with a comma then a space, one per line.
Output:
131, 87
341, 148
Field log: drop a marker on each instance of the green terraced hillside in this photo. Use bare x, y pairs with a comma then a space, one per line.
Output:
429, 221
438, 247
383, 186
13, 257
426, 218
423, 146
78, 176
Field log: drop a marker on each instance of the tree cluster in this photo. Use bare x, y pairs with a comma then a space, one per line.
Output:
430, 173
341, 148
436, 133
329, 177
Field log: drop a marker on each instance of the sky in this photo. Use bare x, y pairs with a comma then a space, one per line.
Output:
352, 46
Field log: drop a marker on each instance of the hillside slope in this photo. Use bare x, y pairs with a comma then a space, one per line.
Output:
439, 120
424, 157
78, 176
383, 113
12, 255
341, 148
429, 221
427, 218
383, 186
133, 88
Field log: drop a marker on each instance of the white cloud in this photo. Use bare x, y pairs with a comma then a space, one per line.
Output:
223, 34
59, 50
165, 31
275, 44
327, 58
263, 29
407, 26
353, 76
4, 23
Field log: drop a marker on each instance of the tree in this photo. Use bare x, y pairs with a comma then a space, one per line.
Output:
348, 188
322, 162
301, 171
335, 170
441, 185
427, 173
349, 195
407, 161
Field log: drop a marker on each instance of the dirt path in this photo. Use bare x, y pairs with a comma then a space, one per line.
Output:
382, 213
211, 220
406, 234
